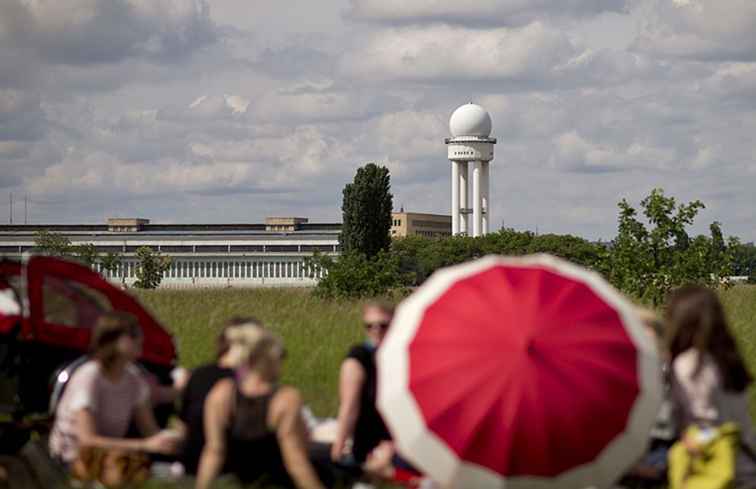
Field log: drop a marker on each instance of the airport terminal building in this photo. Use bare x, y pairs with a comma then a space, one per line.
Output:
203, 255
273, 253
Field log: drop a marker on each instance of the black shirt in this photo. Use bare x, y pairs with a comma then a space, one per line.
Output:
254, 454
203, 379
370, 429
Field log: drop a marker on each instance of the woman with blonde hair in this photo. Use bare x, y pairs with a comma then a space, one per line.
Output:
254, 427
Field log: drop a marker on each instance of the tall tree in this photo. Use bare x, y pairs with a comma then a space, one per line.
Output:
366, 211
648, 261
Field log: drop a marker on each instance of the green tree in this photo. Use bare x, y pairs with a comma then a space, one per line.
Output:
53, 244
151, 267
648, 261
366, 207
744, 261
353, 275
59, 245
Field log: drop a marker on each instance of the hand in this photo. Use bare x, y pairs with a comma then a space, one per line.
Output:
378, 462
165, 442
691, 445
337, 449
180, 377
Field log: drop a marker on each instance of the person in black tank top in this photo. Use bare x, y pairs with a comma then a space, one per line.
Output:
193, 397
358, 416
253, 427
253, 449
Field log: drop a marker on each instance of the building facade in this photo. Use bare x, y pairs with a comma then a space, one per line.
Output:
202, 255
418, 224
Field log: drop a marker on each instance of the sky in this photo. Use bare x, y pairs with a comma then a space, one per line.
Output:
213, 111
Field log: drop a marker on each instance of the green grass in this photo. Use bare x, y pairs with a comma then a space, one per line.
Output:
317, 333
740, 304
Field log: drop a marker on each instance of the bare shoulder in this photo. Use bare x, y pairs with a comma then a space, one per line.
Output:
221, 392
287, 397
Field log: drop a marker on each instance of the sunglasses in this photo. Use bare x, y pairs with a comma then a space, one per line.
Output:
383, 326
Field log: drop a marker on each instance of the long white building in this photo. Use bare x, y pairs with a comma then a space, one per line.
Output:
203, 255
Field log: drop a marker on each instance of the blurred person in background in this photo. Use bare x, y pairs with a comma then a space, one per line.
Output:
358, 417
200, 383
254, 427
709, 388
105, 395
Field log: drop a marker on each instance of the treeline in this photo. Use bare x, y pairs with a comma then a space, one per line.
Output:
652, 252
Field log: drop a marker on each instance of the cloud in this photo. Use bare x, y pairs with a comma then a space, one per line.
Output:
83, 32
477, 12
21, 116
529, 57
709, 30
575, 153
452, 53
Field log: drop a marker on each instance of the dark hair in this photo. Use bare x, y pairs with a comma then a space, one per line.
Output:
221, 342
696, 319
109, 328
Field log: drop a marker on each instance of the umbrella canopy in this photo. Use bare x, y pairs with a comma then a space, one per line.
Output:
518, 372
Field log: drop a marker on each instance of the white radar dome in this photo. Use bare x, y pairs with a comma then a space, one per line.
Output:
470, 120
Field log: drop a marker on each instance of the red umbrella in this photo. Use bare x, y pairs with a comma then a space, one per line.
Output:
518, 372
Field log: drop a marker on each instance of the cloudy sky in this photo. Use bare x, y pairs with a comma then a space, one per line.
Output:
233, 110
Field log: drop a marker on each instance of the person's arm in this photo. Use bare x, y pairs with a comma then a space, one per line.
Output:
286, 414
217, 417
351, 381
86, 433
145, 419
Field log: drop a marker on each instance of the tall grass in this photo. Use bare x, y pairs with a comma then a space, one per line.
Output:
317, 333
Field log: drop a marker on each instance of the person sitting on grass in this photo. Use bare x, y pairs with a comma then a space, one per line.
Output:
105, 395
358, 417
254, 427
710, 389
201, 381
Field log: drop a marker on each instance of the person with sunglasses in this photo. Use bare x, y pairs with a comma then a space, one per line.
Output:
358, 418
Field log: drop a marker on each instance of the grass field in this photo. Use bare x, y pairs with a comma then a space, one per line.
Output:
317, 333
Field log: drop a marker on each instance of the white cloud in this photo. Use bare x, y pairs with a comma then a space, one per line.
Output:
575, 153
83, 32
453, 53
712, 30
101, 118
483, 12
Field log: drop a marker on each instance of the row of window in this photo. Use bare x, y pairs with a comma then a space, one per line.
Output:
199, 248
397, 222
224, 269
432, 234
432, 224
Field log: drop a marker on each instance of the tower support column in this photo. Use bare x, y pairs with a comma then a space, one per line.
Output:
464, 198
455, 196
484, 192
477, 207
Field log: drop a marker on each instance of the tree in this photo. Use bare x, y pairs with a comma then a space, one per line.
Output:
152, 266
647, 262
366, 209
353, 275
744, 261
53, 244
